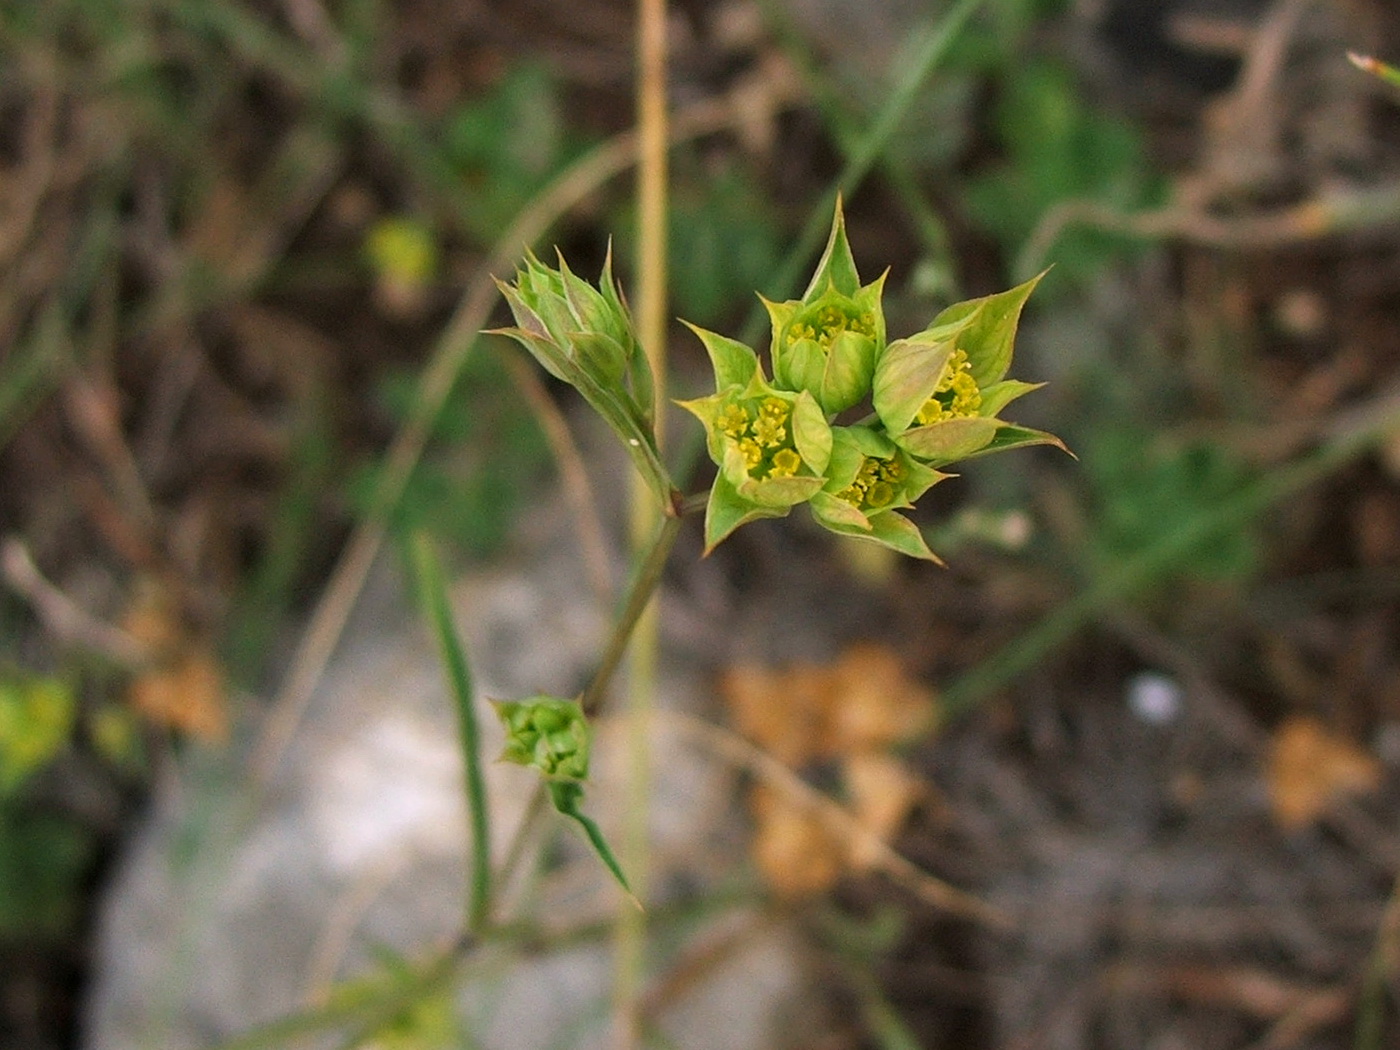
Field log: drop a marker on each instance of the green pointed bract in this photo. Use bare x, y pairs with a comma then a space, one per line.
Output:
837, 266
887, 528
951, 440
828, 344
999, 395
733, 362
991, 334
909, 372
726, 510
1009, 436
869, 480
811, 433
900, 534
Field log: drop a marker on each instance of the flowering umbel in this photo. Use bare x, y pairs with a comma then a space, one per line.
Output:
936, 399
827, 341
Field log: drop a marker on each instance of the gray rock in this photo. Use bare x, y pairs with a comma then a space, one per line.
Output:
234, 908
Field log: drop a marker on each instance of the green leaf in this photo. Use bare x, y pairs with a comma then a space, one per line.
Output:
432, 589
567, 798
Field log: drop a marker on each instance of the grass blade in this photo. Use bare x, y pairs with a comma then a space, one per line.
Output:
432, 593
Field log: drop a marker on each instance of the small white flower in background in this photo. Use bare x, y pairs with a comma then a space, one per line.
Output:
1155, 698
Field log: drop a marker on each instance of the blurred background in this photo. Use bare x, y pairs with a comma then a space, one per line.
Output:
236, 235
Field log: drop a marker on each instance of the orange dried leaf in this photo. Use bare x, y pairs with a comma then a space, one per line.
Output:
186, 694
792, 847
875, 704
1309, 767
862, 701
782, 712
882, 792
183, 689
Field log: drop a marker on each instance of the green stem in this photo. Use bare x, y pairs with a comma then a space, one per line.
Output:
433, 595
639, 594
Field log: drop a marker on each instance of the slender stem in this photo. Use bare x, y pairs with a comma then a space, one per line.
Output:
439, 610
639, 595
652, 132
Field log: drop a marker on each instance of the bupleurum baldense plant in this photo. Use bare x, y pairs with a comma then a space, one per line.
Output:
852, 424
931, 399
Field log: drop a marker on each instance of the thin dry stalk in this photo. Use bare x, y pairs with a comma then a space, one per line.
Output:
838, 820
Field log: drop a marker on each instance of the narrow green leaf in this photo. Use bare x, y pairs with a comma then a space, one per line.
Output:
567, 796
432, 593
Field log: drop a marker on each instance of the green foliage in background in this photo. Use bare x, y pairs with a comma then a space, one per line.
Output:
44, 856
726, 240
1058, 148
1144, 487
44, 859
36, 719
489, 453
507, 145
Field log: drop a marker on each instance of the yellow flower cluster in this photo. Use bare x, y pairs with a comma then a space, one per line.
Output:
761, 432
876, 485
830, 322
957, 394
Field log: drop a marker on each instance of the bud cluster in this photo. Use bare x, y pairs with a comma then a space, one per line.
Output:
546, 732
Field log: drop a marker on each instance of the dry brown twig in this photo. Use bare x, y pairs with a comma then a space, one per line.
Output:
61, 614
838, 820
